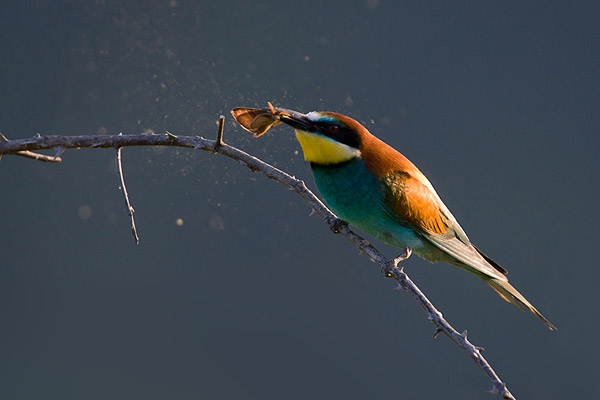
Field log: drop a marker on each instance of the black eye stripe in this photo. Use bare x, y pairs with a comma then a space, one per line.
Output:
342, 134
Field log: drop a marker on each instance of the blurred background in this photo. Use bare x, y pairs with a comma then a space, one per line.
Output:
496, 102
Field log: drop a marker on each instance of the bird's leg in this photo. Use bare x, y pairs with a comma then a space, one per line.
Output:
393, 263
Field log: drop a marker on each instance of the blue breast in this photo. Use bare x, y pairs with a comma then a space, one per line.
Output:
355, 195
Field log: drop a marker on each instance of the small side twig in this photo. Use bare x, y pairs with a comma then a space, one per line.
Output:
39, 156
219, 141
130, 209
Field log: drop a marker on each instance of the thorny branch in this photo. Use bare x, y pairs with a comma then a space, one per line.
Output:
25, 147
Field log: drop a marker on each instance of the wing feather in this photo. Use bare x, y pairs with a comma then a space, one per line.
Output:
409, 199
412, 203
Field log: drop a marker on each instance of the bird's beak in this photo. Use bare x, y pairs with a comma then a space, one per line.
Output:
295, 119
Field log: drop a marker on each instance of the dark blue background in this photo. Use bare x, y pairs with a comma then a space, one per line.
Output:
496, 102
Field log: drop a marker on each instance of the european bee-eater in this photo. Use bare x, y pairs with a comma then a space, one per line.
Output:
375, 188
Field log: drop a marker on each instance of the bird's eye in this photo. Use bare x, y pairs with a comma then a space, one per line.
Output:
333, 128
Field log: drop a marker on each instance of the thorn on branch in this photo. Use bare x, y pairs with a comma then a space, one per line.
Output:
130, 209
502, 390
58, 151
251, 167
437, 332
170, 135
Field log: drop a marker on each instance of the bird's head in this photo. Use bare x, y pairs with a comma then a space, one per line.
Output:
326, 138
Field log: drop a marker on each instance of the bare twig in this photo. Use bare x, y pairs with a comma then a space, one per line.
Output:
39, 156
390, 269
219, 141
123, 188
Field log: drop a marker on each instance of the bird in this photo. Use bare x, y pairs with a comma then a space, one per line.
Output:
372, 186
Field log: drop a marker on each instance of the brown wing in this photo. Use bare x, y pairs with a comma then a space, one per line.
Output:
255, 120
406, 198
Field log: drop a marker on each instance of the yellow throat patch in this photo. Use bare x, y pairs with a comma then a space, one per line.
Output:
323, 150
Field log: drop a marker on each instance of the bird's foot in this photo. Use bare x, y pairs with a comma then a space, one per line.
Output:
336, 224
393, 263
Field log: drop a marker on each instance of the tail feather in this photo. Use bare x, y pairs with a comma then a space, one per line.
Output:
510, 294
